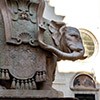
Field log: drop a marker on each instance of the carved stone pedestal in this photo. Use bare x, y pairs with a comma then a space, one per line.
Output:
32, 95
38, 99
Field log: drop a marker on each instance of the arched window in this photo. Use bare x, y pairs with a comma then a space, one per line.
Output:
89, 41
83, 81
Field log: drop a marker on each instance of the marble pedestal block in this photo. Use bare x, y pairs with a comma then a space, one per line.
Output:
32, 95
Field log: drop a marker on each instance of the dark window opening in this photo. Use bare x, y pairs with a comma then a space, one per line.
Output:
85, 96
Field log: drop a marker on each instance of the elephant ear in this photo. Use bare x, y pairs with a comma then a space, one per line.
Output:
54, 28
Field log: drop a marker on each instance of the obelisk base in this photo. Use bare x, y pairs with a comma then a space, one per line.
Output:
32, 95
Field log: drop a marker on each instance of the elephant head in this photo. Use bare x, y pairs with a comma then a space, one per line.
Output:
67, 39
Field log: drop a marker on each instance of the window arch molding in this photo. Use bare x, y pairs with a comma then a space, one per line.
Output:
83, 87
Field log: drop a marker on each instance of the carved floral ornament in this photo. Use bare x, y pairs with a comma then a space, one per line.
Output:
21, 12
24, 9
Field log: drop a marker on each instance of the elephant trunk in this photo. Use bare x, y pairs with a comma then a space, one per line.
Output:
75, 55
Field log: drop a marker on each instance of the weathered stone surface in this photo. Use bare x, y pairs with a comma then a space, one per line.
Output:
30, 48
38, 99
30, 94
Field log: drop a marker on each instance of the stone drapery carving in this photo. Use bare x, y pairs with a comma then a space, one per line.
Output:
30, 46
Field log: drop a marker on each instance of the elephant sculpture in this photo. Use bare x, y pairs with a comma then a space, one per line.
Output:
65, 44
67, 41
30, 47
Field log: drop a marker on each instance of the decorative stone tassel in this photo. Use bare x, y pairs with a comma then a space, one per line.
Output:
30, 84
3, 74
38, 77
22, 84
18, 84
44, 76
26, 84
33, 84
13, 85
7, 75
